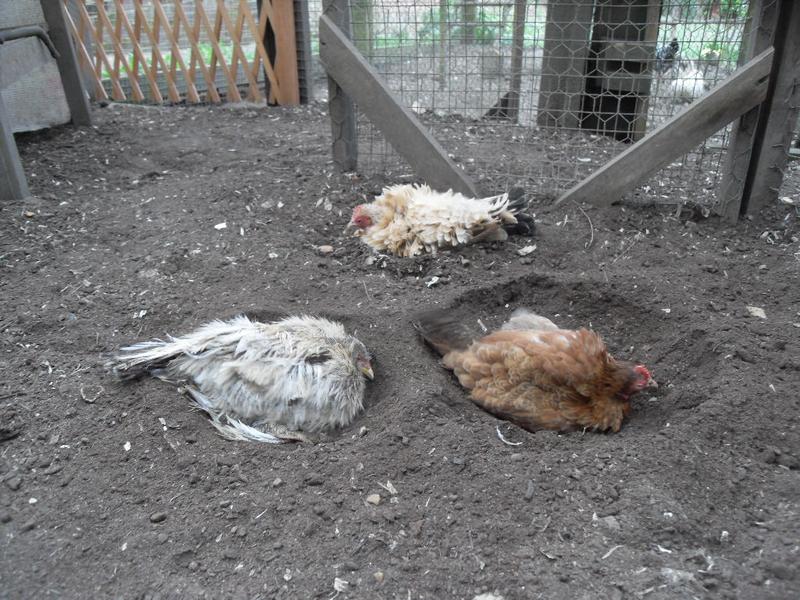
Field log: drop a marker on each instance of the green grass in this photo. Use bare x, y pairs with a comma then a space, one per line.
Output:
206, 51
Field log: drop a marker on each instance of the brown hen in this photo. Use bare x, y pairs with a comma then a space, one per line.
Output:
536, 375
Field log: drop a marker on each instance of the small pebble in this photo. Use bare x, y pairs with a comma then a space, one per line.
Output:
53, 469
5, 517
277, 481
162, 538
610, 522
14, 483
349, 566
158, 517
28, 525
374, 499
325, 250
516, 457
530, 490
378, 575
314, 479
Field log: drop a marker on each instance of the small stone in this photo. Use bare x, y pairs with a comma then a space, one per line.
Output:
788, 461
190, 438
14, 483
363, 431
162, 538
515, 457
277, 481
53, 469
530, 490
374, 499
325, 250
780, 569
158, 517
378, 576
610, 522
193, 565
28, 525
5, 517
314, 479
242, 532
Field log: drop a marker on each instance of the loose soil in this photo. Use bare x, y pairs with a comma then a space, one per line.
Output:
120, 490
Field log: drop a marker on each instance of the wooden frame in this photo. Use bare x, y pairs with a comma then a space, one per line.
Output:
746, 88
55, 15
13, 184
350, 70
160, 78
778, 116
352, 77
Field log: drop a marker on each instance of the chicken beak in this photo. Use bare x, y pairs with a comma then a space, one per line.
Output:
367, 371
351, 227
652, 383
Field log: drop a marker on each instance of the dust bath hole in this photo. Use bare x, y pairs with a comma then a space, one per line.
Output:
632, 324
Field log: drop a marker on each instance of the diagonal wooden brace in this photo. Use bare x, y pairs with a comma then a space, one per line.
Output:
407, 135
743, 90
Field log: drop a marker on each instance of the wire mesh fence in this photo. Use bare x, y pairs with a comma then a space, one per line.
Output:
540, 93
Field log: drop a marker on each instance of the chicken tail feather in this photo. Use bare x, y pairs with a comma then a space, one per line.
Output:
228, 427
133, 362
511, 209
517, 201
443, 331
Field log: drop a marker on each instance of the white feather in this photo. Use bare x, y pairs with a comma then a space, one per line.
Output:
299, 372
411, 219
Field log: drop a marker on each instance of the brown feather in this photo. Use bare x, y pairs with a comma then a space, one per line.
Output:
544, 379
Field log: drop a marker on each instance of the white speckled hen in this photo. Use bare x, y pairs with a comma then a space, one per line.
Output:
407, 220
266, 382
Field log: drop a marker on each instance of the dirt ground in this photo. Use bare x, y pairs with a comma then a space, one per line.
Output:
119, 490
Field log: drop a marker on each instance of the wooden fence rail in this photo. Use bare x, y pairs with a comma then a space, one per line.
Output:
197, 50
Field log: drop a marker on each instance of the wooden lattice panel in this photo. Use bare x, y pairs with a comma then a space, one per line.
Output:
171, 50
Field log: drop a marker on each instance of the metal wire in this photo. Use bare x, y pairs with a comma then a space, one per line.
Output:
578, 83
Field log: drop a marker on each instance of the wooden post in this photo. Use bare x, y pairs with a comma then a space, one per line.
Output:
400, 126
340, 105
85, 38
758, 35
517, 53
303, 45
775, 130
746, 88
13, 185
566, 46
286, 47
77, 100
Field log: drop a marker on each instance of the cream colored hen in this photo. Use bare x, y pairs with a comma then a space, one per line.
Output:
407, 220
266, 382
